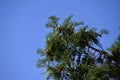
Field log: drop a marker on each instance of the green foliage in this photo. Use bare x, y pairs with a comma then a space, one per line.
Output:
114, 60
53, 22
72, 54
98, 73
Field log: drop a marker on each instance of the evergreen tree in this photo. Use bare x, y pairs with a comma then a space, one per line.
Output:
73, 52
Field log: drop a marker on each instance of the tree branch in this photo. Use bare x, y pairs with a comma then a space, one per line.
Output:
100, 51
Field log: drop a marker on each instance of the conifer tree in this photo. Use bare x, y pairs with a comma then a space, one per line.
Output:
73, 52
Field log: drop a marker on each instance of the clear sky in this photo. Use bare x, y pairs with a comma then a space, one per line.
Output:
22, 30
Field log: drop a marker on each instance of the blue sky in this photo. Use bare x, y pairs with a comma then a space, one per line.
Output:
22, 30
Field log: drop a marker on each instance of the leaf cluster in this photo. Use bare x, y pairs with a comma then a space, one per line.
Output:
72, 54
